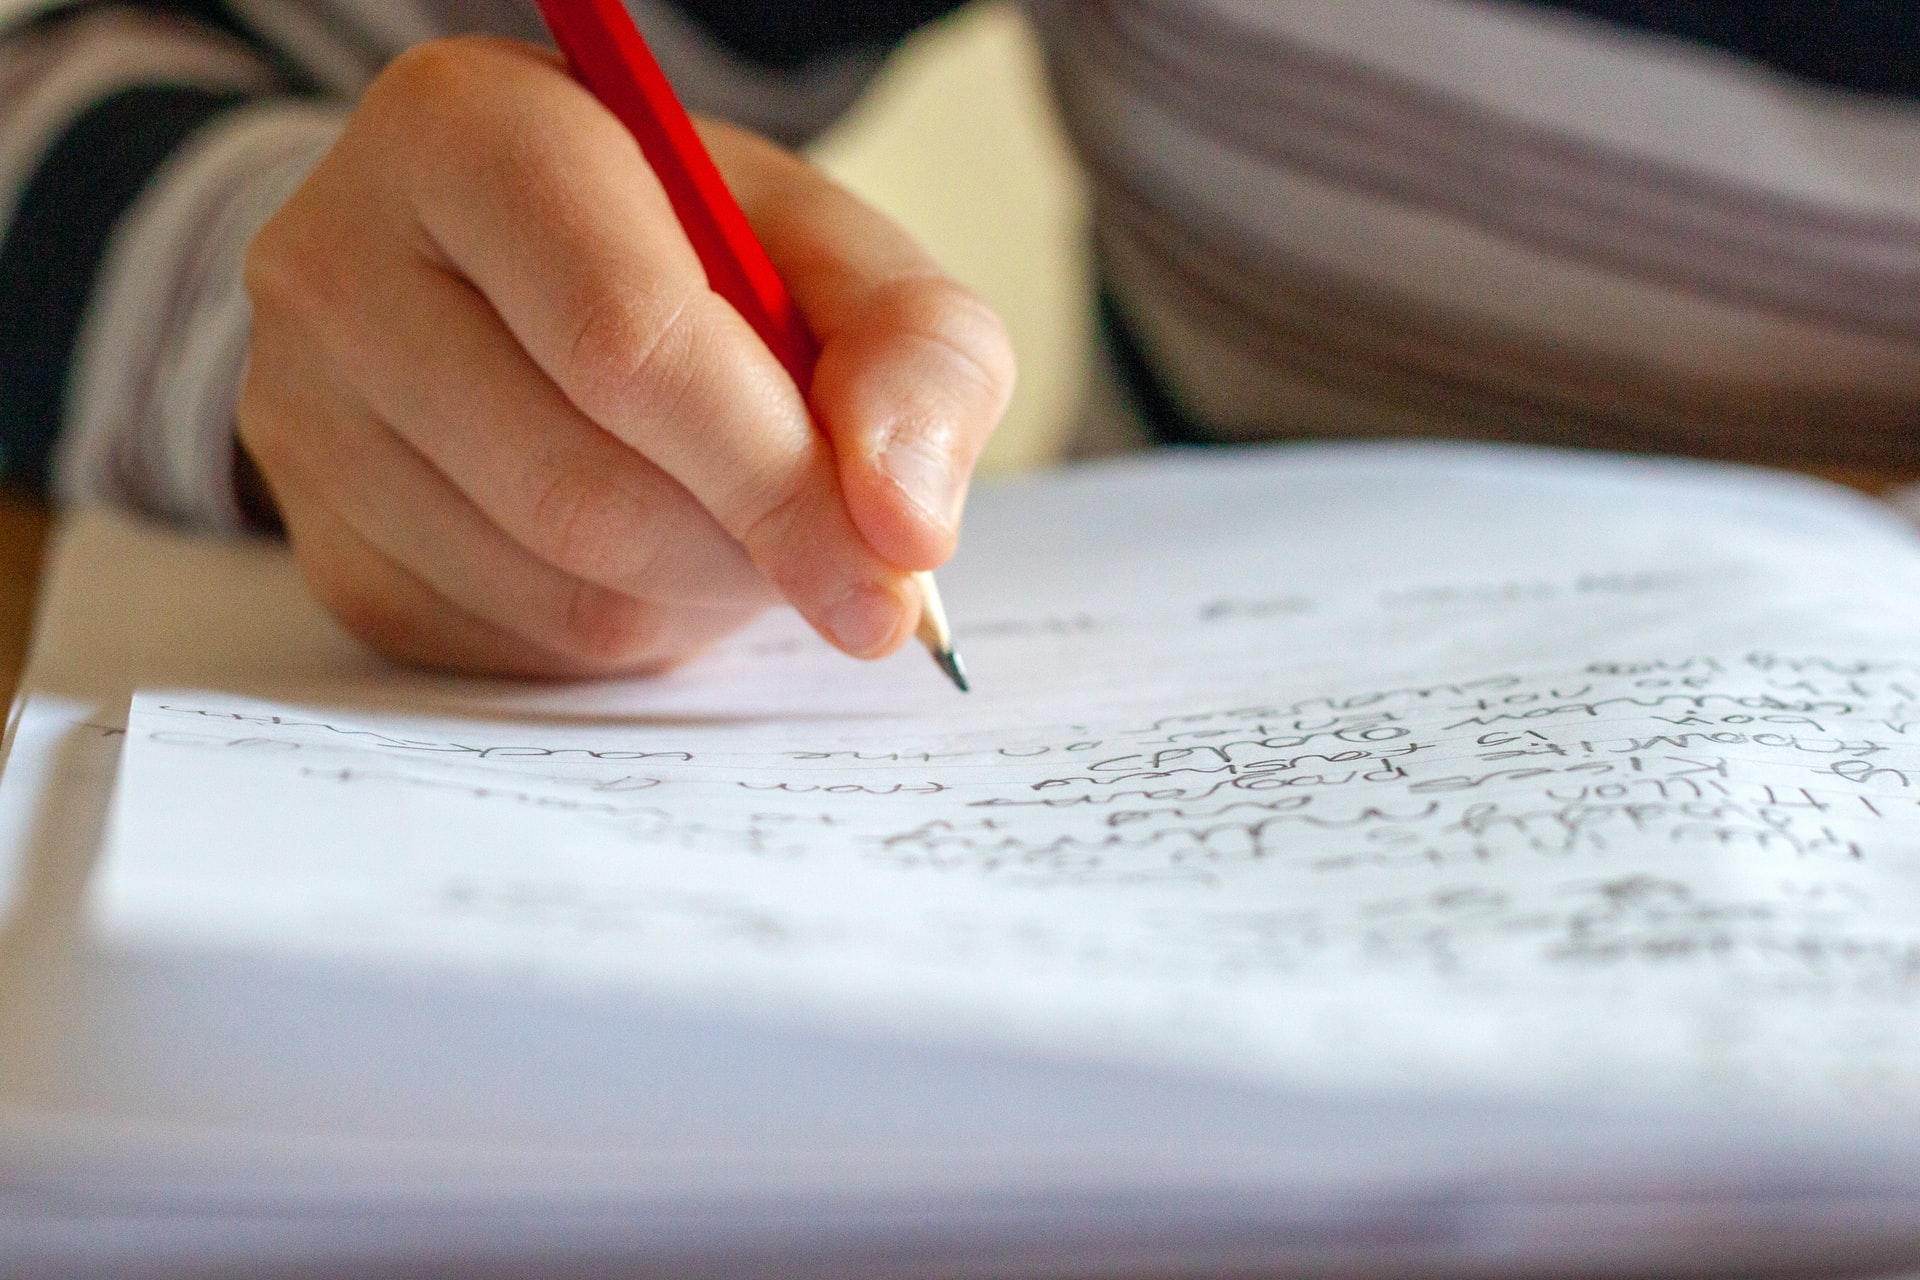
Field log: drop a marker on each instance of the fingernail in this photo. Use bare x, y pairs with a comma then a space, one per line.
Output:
864, 620
925, 475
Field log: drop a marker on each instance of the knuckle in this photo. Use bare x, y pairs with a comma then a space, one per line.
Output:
304, 270
442, 98
772, 517
284, 270
430, 73
581, 521
434, 62
961, 330
606, 631
627, 356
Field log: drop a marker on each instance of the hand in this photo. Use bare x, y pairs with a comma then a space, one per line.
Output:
510, 430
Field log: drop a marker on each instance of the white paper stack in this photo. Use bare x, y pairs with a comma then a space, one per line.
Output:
1398, 860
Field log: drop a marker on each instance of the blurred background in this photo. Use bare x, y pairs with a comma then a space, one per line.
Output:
958, 142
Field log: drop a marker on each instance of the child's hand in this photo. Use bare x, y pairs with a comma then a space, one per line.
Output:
511, 430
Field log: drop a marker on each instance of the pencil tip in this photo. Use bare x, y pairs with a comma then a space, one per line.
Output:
950, 663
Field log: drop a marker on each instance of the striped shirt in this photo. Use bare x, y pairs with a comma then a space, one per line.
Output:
1688, 228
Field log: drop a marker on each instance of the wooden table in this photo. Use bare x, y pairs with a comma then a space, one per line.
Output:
23, 535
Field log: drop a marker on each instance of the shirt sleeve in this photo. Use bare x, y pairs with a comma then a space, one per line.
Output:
140, 148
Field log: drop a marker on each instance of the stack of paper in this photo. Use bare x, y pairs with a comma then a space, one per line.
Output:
1388, 860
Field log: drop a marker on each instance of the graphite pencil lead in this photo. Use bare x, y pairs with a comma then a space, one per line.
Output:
956, 671
936, 635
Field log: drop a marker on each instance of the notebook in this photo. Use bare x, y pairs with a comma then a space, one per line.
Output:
1401, 859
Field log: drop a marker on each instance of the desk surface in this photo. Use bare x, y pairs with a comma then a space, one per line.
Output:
23, 533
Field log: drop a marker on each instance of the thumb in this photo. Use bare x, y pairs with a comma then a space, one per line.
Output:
915, 371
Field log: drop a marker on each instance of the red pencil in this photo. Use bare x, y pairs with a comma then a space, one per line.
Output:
611, 59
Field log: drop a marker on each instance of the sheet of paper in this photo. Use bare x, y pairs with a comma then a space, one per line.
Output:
1436, 770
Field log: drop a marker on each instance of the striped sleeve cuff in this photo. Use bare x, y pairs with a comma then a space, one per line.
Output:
162, 351
59, 233
92, 105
